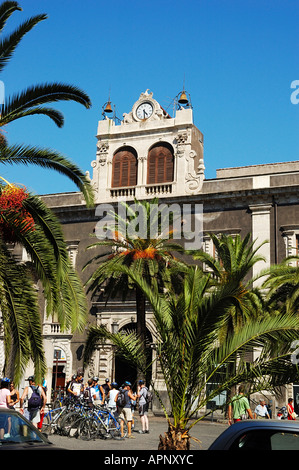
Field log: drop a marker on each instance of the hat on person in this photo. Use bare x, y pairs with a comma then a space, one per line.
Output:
128, 383
107, 380
30, 378
141, 382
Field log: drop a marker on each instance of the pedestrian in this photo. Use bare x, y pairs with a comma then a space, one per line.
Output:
36, 401
239, 407
142, 392
125, 410
14, 395
261, 411
76, 387
99, 400
5, 401
112, 394
290, 408
68, 384
105, 388
89, 393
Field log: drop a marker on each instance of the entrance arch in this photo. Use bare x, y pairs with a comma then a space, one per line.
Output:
123, 370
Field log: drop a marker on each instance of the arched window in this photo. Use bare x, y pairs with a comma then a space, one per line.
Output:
124, 168
160, 164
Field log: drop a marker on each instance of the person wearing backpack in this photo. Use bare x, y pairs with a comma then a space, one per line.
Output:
142, 393
124, 409
89, 393
36, 401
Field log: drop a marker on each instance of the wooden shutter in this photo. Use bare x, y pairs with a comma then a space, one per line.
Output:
160, 165
124, 169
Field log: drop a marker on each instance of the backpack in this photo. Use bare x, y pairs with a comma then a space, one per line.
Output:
35, 401
121, 398
87, 394
149, 397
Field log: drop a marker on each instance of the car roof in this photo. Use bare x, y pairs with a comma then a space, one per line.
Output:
8, 410
236, 429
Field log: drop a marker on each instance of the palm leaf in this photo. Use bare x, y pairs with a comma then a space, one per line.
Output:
9, 44
49, 159
7, 8
29, 101
21, 318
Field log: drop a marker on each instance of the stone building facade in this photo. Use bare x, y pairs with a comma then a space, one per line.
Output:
151, 154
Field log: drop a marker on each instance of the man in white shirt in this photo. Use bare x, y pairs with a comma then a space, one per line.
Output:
261, 411
76, 387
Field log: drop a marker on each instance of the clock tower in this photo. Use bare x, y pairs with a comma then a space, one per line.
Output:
148, 154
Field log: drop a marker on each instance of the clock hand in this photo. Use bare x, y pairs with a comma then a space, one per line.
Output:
144, 114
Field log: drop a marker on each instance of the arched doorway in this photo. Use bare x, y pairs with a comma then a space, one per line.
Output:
123, 370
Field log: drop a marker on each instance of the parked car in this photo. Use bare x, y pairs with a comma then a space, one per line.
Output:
17, 433
260, 434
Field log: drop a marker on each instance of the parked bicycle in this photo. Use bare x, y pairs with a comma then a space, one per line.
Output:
53, 418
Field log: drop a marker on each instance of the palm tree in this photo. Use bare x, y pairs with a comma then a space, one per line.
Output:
31, 102
26, 220
189, 354
235, 256
33, 225
150, 254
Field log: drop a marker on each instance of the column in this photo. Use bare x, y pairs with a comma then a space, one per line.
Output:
260, 222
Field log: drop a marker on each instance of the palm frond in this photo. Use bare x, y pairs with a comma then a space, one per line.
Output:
49, 159
20, 315
30, 100
47, 250
7, 8
9, 44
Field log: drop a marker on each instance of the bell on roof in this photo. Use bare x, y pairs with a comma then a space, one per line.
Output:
183, 98
108, 107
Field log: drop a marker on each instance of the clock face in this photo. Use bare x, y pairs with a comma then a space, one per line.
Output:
144, 110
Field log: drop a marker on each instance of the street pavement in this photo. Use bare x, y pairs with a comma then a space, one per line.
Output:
203, 434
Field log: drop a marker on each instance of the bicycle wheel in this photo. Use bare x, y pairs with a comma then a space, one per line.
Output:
70, 423
115, 428
47, 427
88, 429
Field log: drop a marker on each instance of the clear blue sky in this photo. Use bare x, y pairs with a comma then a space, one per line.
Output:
238, 59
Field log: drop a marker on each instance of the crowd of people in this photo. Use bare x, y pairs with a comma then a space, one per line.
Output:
240, 409
33, 395
108, 394
33, 400
121, 400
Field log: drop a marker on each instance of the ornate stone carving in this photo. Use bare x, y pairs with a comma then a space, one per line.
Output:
193, 179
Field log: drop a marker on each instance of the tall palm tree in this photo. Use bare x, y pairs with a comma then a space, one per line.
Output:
25, 219
148, 252
235, 257
189, 354
32, 101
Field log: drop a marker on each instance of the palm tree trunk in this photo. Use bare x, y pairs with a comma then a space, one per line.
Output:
174, 439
